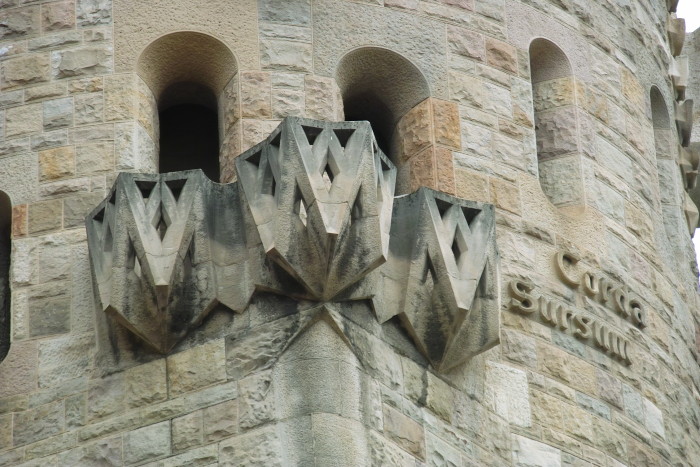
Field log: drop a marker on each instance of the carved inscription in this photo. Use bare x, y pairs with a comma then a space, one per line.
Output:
581, 325
585, 327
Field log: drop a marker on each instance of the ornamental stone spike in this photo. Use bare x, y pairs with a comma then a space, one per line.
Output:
312, 217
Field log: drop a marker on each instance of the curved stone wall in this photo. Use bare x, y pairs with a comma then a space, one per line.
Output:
599, 354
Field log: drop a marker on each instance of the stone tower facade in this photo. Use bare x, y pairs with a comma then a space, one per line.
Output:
497, 269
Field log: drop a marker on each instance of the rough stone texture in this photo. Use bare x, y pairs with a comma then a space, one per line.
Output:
612, 189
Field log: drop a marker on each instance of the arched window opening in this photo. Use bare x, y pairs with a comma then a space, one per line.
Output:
188, 73
418, 132
556, 127
5, 253
380, 86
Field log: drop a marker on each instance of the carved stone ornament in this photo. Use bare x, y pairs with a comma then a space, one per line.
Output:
313, 217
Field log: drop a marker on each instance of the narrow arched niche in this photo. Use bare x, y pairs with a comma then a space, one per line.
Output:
189, 74
556, 124
380, 86
5, 254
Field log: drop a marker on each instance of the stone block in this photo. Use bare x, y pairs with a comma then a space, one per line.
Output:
256, 400
258, 447
654, 418
560, 179
404, 431
529, 453
75, 208
471, 185
19, 221
414, 131
556, 132
23, 120
94, 12
147, 443
294, 12
105, 397
319, 98
501, 55
94, 158
49, 316
146, 384
45, 216
508, 393
20, 22
58, 16
466, 43
19, 370
25, 70
505, 195
255, 95
56, 163
220, 421
39, 423
197, 367
45, 91
187, 431
446, 123
286, 55
106, 452
84, 61
58, 113
286, 102
89, 108
559, 92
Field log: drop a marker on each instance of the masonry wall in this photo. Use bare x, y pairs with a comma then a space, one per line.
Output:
75, 111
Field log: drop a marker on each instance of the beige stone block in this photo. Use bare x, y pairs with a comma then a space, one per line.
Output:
19, 370
466, 43
471, 185
422, 169
501, 55
19, 221
320, 96
81, 62
286, 55
119, 97
28, 69
505, 195
257, 447
196, 368
106, 396
404, 431
557, 132
554, 93
256, 399
56, 163
446, 123
414, 131
146, 384
23, 120
528, 452
255, 95
94, 157
58, 16
220, 421
567, 368
45, 216
187, 431
19, 22
444, 169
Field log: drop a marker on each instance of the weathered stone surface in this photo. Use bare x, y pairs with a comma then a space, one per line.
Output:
285, 55
94, 12
56, 163
23, 120
75, 208
528, 453
147, 443
36, 424
19, 22
220, 421
58, 113
296, 12
106, 396
19, 221
57, 16
405, 432
94, 158
508, 393
255, 95
255, 405
45, 216
196, 368
50, 316
89, 108
81, 62
25, 70
501, 55
187, 431
258, 447
20, 370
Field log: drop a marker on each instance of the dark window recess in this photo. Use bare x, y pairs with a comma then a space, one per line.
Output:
367, 106
189, 139
5, 250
